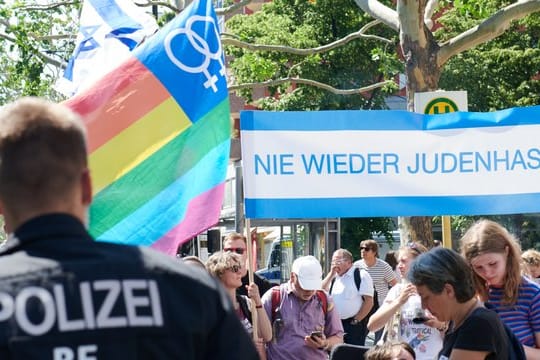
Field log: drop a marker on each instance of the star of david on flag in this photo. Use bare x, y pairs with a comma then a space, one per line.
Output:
108, 31
159, 136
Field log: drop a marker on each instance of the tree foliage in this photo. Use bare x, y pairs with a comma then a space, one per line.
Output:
302, 24
502, 73
36, 39
467, 52
355, 230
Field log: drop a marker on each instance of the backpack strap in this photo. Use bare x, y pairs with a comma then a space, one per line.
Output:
332, 285
276, 300
357, 278
242, 302
323, 300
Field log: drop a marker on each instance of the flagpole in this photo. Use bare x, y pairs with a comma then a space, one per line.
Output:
249, 248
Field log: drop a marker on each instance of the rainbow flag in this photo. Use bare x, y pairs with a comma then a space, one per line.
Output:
159, 136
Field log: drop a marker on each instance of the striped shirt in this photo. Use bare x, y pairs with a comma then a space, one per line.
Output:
523, 317
382, 274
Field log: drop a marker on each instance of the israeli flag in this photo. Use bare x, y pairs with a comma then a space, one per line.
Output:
109, 30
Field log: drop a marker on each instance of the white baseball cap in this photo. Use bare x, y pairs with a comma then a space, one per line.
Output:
309, 272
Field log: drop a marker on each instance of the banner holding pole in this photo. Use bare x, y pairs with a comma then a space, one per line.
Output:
390, 163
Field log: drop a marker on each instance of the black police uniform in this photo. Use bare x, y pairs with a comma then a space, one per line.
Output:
65, 296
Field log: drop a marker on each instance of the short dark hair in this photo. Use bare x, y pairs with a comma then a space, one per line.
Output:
42, 153
391, 259
371, 245
441, 266
234, 236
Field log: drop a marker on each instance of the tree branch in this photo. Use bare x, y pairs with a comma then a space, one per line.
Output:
314, 83
7, 37
431, 5
160, 3
487, 30
219, 11
48, 59
316, 50
232, 8
48, 6
380, 12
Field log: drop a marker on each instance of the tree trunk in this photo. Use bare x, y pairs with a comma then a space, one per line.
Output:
420, 52
416, 229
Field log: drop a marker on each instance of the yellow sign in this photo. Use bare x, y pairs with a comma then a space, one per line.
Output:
440, 105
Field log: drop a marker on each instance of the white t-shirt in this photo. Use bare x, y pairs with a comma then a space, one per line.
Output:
425, 340
347, 298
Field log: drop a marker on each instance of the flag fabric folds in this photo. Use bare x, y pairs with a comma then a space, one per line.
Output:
108, 31
159, 136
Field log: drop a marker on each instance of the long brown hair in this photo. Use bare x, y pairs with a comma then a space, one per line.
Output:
486, 236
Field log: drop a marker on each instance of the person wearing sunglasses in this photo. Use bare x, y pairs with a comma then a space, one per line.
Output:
228, 267
381, 273
235, 242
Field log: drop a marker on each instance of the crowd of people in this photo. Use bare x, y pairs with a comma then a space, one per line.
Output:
65, 296
441, 303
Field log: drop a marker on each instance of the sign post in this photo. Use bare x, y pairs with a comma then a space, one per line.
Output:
441, 102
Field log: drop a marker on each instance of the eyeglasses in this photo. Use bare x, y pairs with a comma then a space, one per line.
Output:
234, 268
530, 261
412, 245
239, 251
364, 248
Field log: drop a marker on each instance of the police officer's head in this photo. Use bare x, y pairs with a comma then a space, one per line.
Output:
43, 161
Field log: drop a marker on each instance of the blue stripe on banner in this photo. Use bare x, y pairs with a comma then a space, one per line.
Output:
191, 67
383, 120
113, 15
165, 211
391, 206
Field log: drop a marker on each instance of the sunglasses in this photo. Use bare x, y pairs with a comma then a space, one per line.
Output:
412, 245
234, 268
239, 251
364, 248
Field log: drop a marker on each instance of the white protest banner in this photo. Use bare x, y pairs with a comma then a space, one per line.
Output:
390, 163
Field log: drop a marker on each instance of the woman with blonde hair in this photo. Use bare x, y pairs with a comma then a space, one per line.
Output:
531, 264
227, 267
402, 315
494, 255
391, 350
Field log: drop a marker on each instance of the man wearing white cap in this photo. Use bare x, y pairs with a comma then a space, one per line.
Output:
305, 323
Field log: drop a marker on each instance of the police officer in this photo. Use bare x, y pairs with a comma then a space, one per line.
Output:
65, 296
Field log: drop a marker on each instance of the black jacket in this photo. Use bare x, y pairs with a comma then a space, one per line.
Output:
63, 294
263, 284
